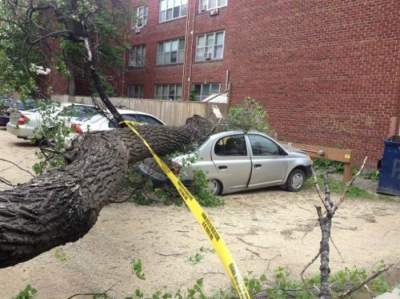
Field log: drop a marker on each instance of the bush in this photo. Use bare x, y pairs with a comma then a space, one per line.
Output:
248, 115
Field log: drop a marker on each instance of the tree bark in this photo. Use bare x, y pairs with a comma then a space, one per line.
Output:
62, 205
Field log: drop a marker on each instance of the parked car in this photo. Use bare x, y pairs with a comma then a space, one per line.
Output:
79, 117
100, 122
23, 124
236, 161
7, 105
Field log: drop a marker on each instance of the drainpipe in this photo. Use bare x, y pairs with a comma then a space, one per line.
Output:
189, 79
186, 49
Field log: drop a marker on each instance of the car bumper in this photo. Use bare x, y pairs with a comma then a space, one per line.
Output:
20, 132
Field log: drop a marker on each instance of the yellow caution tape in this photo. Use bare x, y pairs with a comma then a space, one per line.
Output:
202, 218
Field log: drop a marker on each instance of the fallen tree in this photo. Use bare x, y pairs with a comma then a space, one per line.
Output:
62, 205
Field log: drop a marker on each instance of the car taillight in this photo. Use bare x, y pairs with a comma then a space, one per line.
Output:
22, 119
76, 128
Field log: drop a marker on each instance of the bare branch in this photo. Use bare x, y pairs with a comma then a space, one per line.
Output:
6, 182
309, 265
349, 184
316, 185
19, 167
104, 293
372, 277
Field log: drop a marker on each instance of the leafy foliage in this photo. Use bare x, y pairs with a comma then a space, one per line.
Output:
137, 268
322, 165
28, 26
51, 136
372, 175
248, 115
279, 286
27, 293
166, 194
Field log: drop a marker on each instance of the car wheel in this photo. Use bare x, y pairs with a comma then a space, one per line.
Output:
214, 186
295, 180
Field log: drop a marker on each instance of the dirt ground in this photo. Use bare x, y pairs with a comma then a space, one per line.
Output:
264, 230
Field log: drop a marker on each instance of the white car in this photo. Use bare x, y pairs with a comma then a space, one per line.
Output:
80, 118
24, 124
99, 122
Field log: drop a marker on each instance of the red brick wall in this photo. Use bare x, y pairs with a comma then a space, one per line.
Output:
326, 71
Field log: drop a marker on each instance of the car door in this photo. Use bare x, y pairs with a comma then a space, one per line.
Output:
230, 155
269, 162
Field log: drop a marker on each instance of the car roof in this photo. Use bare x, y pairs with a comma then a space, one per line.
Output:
127, 111
236, 132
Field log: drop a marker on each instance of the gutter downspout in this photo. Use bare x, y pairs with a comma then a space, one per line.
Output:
191, 50
184, 97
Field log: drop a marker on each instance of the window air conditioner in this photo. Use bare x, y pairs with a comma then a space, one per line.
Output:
214, 12
138, 29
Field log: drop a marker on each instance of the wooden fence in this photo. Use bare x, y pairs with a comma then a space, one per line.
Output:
173, 113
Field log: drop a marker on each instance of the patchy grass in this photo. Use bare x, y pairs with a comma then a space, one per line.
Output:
338, 187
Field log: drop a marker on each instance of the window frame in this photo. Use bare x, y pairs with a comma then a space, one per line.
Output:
175, 86
202, 96
135, 48
162, 54
207, 49
203, 8
230, 136
144, 17
172, 9
140, 89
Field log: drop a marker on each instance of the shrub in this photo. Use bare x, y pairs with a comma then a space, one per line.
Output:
248, 115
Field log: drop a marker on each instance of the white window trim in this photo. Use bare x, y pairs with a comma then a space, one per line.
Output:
144, 17
172, 19
180, 52
207, 47
208, 8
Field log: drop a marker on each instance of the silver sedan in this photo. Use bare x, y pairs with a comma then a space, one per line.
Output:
236, 161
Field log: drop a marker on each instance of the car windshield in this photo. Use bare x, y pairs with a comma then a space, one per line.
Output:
79, 111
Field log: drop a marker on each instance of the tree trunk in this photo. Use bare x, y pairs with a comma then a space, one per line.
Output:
326, 226
62, 205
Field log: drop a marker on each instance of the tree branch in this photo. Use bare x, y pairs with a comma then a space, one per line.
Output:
372, 277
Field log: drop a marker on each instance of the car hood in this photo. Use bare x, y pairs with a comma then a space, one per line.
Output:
293, 150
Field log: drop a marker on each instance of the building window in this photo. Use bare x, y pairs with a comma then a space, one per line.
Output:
204, 90
211, 4
172, 9
137, 56
171, 52
168, 91
210, 46
140, 19
136, 91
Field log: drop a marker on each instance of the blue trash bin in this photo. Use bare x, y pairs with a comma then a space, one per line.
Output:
389, 172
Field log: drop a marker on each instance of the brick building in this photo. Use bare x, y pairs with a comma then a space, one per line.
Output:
326, 71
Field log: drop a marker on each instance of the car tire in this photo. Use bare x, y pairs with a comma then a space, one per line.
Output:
215, 187
295, 180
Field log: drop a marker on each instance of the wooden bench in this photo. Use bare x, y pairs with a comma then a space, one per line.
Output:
329, 153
